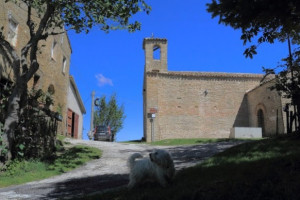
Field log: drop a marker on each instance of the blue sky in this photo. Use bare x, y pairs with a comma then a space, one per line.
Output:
114, 62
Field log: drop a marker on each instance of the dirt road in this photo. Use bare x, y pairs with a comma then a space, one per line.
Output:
110, 171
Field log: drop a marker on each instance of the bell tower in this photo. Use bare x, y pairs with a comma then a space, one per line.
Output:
155, 54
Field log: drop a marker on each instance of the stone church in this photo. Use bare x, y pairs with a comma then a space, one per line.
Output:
204, 104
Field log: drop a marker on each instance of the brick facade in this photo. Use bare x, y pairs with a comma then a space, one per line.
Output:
54, 57
202, 105
270, 103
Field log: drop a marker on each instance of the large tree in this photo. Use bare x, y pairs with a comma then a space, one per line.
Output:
79, 15
267, 21
109, 114
264, 20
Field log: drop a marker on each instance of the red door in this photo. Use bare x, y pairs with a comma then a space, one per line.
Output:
69, 123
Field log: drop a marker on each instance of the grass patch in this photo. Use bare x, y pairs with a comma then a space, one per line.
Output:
265, 169
61, 137
19, 172
134, 142
73, 157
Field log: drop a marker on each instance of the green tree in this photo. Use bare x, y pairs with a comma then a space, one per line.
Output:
267, 21
109, 114
287, 83
54, 15
263, 20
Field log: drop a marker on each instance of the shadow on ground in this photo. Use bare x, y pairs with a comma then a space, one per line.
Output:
76, 188
184, 156
189, 155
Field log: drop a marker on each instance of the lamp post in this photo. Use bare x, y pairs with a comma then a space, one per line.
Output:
152, 116
90, 134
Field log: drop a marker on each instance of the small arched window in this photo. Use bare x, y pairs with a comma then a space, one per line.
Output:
51, 89
53, 50
156, 52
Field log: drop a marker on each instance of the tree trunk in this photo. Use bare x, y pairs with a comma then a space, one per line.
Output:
12, 117
298, 115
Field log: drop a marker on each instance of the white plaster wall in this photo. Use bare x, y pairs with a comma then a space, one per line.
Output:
74, 106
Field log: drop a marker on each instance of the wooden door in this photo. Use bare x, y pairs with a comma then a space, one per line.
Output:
69, 122
76, 121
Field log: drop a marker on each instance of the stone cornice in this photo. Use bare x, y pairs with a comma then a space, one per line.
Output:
207, 75
164, 40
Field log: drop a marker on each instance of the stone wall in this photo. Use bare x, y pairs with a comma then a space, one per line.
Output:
195, 104
269, 101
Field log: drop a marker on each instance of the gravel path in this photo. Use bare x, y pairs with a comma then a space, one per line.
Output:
110, 171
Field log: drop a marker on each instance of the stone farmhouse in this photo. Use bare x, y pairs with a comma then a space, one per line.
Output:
53, 74
205, 104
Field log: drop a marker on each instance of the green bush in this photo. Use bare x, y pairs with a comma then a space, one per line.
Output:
22, 171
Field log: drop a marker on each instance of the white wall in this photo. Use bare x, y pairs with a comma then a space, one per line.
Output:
73, 104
